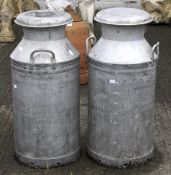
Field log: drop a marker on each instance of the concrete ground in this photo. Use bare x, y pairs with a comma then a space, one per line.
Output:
161, 163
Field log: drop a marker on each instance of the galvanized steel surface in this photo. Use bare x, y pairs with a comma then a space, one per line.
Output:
120, 122
46, 113
45, 75
49, 38
122, 44
122, 73
123, 16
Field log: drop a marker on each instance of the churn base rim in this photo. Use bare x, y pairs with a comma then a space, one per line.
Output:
48, 162
120, 163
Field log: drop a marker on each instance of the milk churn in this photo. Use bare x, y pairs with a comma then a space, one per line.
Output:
122, 74
45, 80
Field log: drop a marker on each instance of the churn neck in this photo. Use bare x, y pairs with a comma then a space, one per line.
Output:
44, 34
123, 33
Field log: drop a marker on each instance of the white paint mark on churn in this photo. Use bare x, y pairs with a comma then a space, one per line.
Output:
113, 82
15, 86
20, 48
71, 52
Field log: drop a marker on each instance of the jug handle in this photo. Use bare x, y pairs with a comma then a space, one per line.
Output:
87, 42
156, 48
32, 59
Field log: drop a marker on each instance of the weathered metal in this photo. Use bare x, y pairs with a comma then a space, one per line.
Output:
122, 74
45, 80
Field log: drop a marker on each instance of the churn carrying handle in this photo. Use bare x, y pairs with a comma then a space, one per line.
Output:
87, 42
157, 49
32, 59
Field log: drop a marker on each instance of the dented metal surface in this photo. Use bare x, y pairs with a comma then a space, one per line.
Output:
122, 75
45, 80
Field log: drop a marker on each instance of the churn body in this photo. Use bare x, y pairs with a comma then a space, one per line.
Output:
122, 75
45, 80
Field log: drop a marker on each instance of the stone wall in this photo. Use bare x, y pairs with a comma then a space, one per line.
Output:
160, 10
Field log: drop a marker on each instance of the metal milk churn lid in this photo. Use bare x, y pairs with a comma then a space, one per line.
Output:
123, 16
123, 37
43, 18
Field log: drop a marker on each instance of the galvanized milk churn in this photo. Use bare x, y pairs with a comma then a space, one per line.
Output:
122, 74
45, 75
